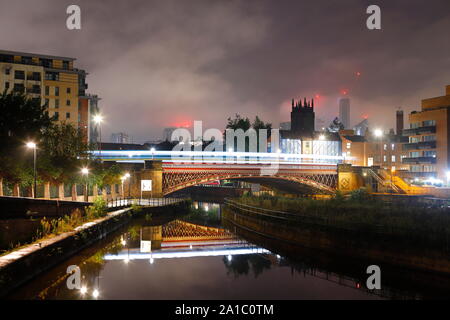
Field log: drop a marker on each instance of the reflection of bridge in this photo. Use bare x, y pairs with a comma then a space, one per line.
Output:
171, 170
180, 239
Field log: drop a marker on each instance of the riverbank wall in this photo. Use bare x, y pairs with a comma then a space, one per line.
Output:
23, 264
373, 249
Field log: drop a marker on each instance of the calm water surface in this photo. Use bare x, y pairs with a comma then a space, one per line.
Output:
195, 256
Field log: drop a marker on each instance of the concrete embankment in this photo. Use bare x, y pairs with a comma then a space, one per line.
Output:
394, 251
23, 264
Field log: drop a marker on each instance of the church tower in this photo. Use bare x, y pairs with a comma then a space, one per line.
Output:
302, 118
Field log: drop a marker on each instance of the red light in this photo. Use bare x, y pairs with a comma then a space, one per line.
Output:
358, 74
317, 96
344, 92
358, 286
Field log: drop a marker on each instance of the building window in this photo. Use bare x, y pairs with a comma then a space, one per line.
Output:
6, 85
416, 169
56, 115
53, 76
429, 123
429, 138
370, 162
414, 139
47, 90
414, 125
392, 147
57, 91
392, 158
19, 87
429, 168
68, 103
56, 103
19, 74
7, 71
349, 145
385, 147
67, 115
68, 90
384, 158
47, 102
429, 154
414, 154
66, 65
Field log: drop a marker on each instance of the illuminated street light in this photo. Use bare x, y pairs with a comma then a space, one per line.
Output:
32, 145
378, 132
95, 293
322, 137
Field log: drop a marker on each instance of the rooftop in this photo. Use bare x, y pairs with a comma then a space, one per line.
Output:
41, 56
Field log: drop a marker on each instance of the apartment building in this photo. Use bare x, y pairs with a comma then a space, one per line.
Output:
52, 80
428, 147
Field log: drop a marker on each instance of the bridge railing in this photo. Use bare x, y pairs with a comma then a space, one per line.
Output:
148, 202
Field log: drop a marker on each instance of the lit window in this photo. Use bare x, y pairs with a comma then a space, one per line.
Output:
392, 146
385, 147
393, 158
384, 158
349, 145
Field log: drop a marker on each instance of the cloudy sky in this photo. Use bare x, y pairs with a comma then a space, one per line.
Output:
162, 63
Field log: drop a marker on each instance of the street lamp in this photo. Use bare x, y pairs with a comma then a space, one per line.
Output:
98, 119
152, 150
392, 173
32, 145
379, 134
125, 177
85, 172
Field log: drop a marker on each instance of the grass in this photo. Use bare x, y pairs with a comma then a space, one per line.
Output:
360, 211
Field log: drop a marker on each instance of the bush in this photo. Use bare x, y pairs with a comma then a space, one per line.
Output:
97, 209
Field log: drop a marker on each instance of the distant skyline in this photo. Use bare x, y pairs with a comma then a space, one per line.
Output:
158, 64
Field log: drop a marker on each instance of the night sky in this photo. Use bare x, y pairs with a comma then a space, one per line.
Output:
163, 63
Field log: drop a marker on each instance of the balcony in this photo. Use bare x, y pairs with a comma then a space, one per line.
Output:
420, 130
419, 145
419, 160
34, 78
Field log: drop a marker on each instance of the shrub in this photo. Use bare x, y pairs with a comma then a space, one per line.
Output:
97, 209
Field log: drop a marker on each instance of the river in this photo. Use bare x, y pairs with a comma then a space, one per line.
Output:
198, 256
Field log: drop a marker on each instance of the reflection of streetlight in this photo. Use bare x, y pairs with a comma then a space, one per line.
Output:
85, 172
83, 290
230, 257
95, 293
98, 119
32, 145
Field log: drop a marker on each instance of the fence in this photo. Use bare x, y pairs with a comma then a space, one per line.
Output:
396, 233
152, 202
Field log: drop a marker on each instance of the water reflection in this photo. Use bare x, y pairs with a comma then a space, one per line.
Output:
194, 256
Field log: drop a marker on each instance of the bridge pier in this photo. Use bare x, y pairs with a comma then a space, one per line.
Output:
349, 178
153, 171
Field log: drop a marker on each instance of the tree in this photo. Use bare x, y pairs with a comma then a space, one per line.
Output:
238, 123
335, 126
21, 119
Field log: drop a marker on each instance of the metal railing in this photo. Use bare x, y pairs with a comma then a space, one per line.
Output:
120, 202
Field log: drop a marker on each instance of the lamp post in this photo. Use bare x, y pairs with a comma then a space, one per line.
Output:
32, 145
85, 172
98, 119
379, 134
392, 173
